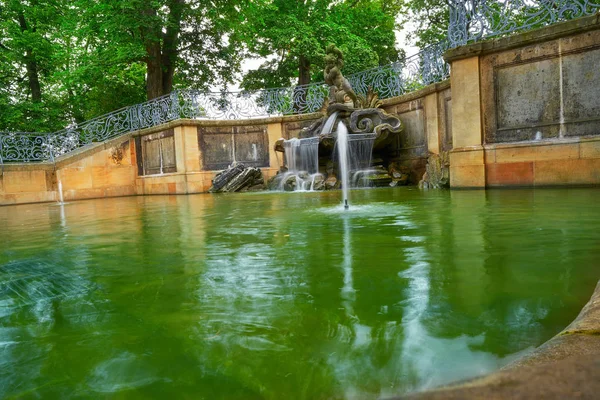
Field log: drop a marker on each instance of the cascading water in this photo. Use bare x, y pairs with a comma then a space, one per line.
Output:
302, 160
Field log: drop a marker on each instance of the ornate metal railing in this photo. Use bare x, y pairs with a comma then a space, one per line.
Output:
474, 20
388, 81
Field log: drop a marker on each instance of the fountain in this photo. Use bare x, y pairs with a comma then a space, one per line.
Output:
61, 199
342, 146
352, 128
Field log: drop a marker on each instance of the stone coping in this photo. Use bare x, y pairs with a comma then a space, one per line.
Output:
427, 90
566, 366
529, 143
554, 31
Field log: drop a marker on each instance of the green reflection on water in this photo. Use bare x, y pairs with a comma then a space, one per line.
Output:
269, 296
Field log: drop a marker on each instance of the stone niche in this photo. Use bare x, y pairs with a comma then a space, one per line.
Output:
221, 146
543, 91
156, 153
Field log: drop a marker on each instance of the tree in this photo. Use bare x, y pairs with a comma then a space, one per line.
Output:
428, 18
65, 61
26, 63
191, 42
293, 35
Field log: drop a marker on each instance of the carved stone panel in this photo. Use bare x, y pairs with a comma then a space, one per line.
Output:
252, 146
581, 93
217, 147
528, 101
158, 153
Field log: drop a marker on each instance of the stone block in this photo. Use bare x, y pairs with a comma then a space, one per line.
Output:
80, 194
432, 125
515, 154
510, 174
581, 87
192, 150
466, 108
490, 156
589, 149
527, 95
120, 191
562, 151
24, 181
195, 187
567, 172
76, 178
467, 157
467, 176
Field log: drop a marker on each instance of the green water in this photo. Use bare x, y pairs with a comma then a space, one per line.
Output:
286, 296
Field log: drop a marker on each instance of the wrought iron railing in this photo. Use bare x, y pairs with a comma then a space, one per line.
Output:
474, 20
388, 81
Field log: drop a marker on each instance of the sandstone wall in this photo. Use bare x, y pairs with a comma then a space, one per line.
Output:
526, 109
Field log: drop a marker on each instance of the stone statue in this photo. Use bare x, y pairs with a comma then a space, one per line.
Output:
340, 90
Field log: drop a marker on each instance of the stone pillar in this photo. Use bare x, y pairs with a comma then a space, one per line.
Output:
180, 149
467, 167
193, 161
432, 123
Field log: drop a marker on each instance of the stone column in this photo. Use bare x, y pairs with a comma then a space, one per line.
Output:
467, 167
432, 123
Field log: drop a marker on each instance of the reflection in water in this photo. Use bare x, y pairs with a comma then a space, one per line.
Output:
264, 296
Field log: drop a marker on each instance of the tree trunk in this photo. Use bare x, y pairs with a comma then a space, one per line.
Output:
170, 43
31, 65
161, 51
154, 71
303, 71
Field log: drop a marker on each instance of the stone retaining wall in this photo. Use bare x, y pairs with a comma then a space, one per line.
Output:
527, 108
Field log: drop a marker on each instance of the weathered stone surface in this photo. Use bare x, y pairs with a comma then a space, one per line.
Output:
437, 173
332, 182
235, 178
400, 174
290, 183
319, 182
224, 177
248, 177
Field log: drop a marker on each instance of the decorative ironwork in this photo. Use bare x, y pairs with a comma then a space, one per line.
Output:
388, 81
473, 20
426, 67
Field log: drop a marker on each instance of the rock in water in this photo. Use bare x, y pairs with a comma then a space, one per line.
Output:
290, 183
225, 176
331, 182
438, 172
319, 182
248, 177
236, 178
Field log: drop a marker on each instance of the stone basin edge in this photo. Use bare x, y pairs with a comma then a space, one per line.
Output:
566, 366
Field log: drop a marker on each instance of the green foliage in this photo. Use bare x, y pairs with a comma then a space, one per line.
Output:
293, 35
65, 61
427, 19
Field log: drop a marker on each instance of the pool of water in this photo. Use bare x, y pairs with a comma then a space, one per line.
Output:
271, 295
